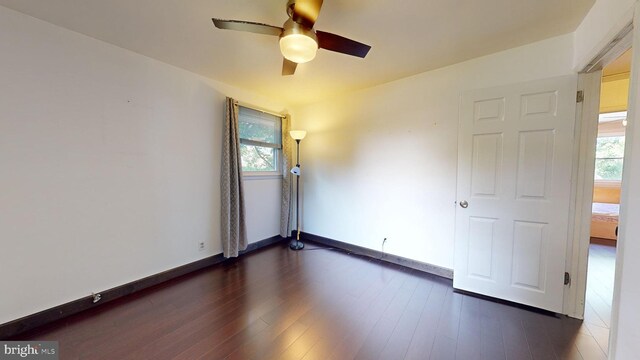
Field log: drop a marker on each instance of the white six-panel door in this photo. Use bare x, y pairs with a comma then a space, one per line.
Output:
514, 172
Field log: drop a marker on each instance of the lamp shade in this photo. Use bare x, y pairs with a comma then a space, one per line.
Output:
298, 134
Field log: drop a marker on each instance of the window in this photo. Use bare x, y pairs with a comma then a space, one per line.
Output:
260, 141
609, 158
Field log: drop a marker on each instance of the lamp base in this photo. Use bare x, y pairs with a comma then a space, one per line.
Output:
296, 245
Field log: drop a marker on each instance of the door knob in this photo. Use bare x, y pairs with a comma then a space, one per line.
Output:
464, 204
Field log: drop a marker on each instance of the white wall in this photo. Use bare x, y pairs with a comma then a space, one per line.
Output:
625, 315
382, 162
109, 166
262, 206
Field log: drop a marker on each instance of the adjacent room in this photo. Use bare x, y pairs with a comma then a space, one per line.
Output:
609, 160
311, 179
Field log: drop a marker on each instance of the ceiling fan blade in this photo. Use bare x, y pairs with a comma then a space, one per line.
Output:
341, 44
288, 67
248, 26
306, 12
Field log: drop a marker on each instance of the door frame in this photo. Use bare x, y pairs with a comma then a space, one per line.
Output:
586, 133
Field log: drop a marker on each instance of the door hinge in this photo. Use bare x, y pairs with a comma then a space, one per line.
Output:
580, 96
567, 278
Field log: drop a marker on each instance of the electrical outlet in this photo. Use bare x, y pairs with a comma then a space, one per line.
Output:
201, 246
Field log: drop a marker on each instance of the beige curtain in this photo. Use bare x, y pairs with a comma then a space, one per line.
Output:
285, 207
234, 229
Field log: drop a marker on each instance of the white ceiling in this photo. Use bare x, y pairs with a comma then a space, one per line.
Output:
407, 37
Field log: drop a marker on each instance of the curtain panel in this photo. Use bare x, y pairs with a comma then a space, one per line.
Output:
233, 225
285, 206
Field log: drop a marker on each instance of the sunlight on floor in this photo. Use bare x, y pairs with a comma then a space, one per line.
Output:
597, 316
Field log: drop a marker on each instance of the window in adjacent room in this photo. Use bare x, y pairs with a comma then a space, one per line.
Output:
260, 142
609, 158
610, 147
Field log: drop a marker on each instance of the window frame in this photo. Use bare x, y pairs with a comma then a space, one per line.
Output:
277, 120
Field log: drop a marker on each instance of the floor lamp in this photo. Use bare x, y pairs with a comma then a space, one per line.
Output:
297, 135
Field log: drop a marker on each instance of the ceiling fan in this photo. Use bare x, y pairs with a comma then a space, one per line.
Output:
298, 40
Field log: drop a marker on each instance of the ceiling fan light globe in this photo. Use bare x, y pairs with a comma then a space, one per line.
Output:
298, 48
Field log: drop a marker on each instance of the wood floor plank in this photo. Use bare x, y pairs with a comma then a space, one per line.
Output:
491, 332
515, 341
285, 325
469, 341
601, 335
246, 326
424, 336
589, 348
199, 324
328, 316
366, 321
351, 317
319, 304
540, 344
449, 322
379, 335
220, 349
444, 348
400, 339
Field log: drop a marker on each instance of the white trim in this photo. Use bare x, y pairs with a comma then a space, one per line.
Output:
616, 47
261, 175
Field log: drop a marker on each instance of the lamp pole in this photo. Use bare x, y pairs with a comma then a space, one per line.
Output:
297, 135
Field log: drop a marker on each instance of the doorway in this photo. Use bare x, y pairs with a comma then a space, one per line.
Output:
609, 159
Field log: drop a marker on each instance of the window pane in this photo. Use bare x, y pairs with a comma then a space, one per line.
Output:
258, 126
610, 147
258, 158
259, 131
609, 169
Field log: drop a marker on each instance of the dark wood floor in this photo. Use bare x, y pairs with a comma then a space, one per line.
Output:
314, 304
600, 279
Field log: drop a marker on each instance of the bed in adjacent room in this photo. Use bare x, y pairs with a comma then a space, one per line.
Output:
604, 220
